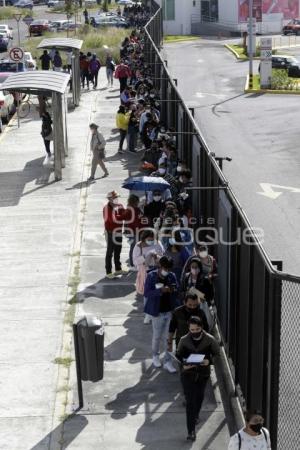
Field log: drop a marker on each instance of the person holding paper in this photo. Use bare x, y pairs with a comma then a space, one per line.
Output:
195, 374
179, 325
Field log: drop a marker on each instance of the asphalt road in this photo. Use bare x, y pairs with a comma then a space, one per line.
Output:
40, 12
260, 132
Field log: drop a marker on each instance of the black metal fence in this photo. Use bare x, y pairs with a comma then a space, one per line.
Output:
258, 306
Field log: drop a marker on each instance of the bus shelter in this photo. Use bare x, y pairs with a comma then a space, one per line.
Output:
67, 45
49, 84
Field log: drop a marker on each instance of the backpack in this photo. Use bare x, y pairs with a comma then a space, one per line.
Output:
240, 439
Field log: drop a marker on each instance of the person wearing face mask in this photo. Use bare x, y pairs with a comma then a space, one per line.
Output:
185, 180
154, 208
254, 436
194, 377
194, 277
145, 257
97, 146
162, 172
113, 233
161, 293
176, 250
179, 325
210, 269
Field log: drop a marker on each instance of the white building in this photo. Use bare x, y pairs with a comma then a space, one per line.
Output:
228, 16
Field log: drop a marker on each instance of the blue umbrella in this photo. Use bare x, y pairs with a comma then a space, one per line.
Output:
146, 184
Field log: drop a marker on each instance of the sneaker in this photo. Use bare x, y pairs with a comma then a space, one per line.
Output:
105, 175
121, 151
121, 272
91, 178
169, 367
110, 276
191, 436
156, 361
147, 319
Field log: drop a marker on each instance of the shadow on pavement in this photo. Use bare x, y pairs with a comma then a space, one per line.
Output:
13, 183
68, 438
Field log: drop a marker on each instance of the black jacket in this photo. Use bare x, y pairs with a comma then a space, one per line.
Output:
179, 321
207, 345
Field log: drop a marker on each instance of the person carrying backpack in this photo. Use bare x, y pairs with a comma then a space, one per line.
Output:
254, 436
122, 73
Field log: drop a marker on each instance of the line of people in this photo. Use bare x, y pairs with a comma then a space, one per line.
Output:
175, 272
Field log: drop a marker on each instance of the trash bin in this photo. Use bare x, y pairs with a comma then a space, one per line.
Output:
90, 341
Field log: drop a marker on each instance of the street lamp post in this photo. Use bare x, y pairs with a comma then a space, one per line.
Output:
18, 17
250, 44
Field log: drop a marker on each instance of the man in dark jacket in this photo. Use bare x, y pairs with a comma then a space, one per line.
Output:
194, 376
161, 294
180, 319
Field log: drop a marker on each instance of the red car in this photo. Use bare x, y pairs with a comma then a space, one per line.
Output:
38, 27
292, 27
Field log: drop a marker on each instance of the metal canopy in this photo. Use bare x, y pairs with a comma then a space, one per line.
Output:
61, 43
38, 81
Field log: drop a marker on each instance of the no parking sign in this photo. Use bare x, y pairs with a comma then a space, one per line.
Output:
16, 54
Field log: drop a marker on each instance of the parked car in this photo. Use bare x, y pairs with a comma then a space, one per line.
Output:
91, 3
100, 21
5, 29
39, 26
24, 4
290, 63
57, 25
55, 3
6, 65
70, 26
4, 41
8, 2
293, 27
30, 62
7, 106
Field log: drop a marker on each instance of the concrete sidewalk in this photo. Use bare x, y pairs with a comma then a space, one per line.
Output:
52, 247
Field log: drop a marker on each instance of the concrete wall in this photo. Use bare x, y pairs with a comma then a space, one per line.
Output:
184, 9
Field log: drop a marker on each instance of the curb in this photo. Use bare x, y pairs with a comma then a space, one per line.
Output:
247, 90
257, 58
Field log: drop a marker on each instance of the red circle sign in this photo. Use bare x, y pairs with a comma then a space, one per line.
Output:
16, 54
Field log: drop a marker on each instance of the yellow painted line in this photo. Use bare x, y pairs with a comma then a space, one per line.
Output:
257, 58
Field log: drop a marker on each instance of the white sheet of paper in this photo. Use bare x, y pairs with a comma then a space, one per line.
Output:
195, 359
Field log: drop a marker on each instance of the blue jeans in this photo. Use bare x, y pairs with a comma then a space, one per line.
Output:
160, 328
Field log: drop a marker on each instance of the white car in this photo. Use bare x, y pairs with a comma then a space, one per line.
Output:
30, 62
5, 29
7, 106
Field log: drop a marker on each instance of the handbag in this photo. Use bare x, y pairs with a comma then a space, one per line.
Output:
100, 149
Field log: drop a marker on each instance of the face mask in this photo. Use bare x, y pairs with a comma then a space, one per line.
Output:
196, 335
115, 201
256, 428
162, 171
164, 273
179, 169
203, 254
149, 242
172, 241
157, 198
195, 271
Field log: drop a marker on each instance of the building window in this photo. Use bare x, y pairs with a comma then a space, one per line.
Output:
169, 9
209, 10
